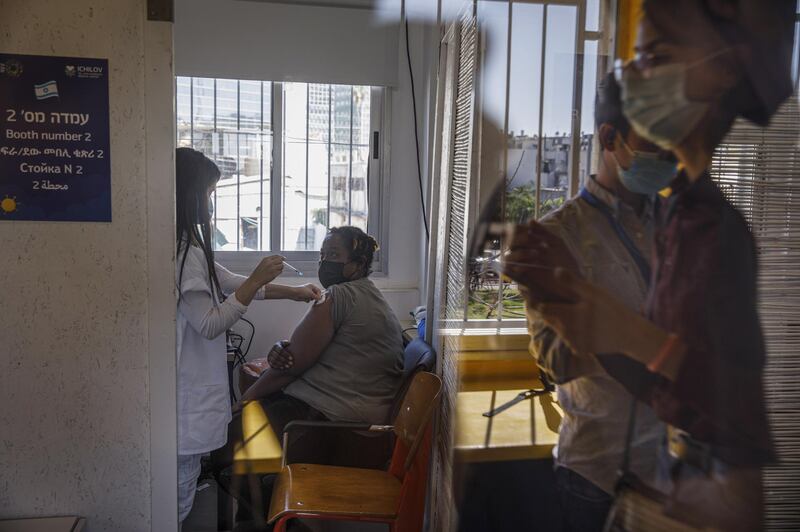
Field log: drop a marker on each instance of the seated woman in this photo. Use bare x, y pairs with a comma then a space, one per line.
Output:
344, 362
346, 359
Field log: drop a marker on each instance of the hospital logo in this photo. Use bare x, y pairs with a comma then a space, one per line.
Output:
83, 71
11, 68
46, 90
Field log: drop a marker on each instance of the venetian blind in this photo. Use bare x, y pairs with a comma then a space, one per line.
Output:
454, 201
759, 171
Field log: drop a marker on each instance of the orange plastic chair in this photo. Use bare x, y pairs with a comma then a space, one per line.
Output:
395, 497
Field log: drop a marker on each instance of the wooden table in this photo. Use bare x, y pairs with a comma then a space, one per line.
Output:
527, 430
503, 464
496, 362
493, 367
261, 450
260, 453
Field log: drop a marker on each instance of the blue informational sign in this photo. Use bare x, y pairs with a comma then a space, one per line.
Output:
54, 139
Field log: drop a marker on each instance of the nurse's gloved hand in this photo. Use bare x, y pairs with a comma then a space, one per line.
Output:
280, 357
306, 293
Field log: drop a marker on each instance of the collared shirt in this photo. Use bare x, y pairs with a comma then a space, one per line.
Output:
705, 292
596, 407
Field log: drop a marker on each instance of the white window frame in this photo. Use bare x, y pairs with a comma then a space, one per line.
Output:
244, 262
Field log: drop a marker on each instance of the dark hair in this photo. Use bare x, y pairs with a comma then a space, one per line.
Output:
359, 243
608, 106
194, 174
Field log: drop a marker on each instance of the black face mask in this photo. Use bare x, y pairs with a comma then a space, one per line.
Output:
331, 273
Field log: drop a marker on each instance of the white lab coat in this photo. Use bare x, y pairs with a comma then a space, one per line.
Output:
204, 407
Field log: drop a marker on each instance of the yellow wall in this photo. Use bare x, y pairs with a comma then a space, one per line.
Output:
628, 13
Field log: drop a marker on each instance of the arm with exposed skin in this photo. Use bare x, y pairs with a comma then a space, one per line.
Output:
309, 339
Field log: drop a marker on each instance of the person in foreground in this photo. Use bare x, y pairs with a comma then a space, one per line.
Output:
344, 362
699, 359
608, 229
210, 300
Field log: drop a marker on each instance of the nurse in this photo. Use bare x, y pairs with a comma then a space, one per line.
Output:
699, 359
210, 300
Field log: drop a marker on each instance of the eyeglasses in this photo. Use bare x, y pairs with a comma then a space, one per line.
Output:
643, 61
640, 61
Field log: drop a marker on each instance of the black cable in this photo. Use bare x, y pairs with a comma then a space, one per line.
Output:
232, 350
252, 335
516, 170
416, 138
234, 343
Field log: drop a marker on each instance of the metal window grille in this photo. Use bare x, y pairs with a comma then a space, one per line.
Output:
557, 163
242, 126
457, 193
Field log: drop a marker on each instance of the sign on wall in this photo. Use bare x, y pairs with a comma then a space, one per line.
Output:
54, 139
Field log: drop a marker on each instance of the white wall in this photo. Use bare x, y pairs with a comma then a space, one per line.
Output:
76, 324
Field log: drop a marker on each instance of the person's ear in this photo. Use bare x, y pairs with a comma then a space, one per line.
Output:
608, 134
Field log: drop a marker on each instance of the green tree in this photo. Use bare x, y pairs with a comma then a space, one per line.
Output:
551, 204
521, 201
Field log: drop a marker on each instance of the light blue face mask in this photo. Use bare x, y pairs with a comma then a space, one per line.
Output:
648, 173
657, 106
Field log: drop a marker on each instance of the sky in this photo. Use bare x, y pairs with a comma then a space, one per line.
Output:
525, 58
526, 53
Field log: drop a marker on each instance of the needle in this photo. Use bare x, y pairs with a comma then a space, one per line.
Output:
292, 268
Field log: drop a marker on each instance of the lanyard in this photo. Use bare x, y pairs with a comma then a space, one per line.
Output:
636, 255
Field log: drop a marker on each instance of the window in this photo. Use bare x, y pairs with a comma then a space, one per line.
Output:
295, 159
538, 82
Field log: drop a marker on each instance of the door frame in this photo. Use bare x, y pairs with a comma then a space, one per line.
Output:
159, 78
